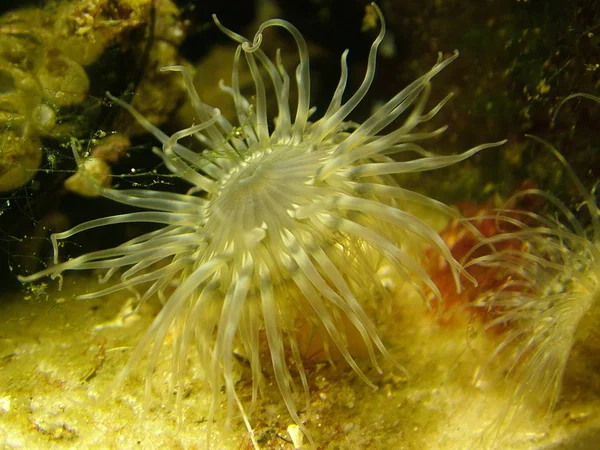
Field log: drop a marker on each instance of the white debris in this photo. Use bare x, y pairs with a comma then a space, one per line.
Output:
297, 436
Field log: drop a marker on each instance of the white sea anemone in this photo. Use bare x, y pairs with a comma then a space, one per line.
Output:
282, 222
549, 300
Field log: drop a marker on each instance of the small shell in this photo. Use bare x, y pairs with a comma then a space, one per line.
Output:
92, 175
297, 436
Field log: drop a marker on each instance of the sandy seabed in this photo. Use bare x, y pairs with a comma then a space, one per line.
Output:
59, 357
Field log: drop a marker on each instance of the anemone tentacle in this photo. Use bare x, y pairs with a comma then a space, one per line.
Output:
280, 225
549, 300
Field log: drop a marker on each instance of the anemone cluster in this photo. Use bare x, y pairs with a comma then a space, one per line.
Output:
288, 220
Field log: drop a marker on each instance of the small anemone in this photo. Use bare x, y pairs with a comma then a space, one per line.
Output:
551, 268
283, 223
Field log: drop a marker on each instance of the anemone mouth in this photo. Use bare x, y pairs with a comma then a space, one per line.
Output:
264, 189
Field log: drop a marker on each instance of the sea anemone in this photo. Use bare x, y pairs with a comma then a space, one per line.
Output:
548, 302
282, 223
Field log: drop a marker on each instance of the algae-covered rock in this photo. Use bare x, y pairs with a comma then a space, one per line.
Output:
54, 71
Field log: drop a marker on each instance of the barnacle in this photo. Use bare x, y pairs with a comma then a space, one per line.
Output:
281, 224
549, 299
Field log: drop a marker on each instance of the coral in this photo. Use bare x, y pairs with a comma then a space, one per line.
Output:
284, 228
